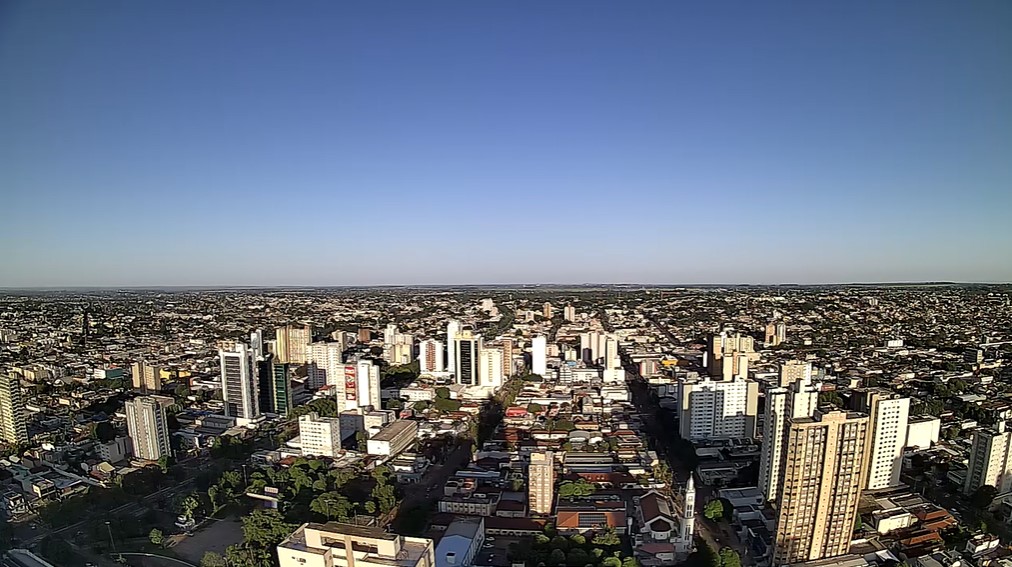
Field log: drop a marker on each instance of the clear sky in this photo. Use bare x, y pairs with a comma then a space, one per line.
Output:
338, 143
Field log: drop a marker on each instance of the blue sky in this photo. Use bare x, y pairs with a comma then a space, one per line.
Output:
326, 143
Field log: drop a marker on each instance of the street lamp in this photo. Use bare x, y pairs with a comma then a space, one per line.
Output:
111, 540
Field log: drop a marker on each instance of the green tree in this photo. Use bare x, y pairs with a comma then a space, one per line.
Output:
332, 505
578, 539
443, 393
157, 537
557, 557
714, 510
361, 439
164, 462
370, 507
266, 528
608, 538
534, 408
611, 562
104, 432
633, 562
728, 558
560, 542
212, 559
577, 556
580, 488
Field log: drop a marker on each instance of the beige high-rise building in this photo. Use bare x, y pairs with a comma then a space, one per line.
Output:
569, 313
507, 358
292, 344
541, 482
775, 334
823, 474
546, 310
730, 355
717, 409
146, 377
795, 396
490, 367
348, 545
888, 415
147, 428
990, 459
13, 419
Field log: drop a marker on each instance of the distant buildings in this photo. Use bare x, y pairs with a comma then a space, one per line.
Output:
541, 482
546, 310
147, 428
239, 385
795, 396
326, 363
320, 436
292, 342
823, 473
776, 333
539, 355
569, 313
717, 409
729, 355
275, 387
452, 328
13, 420
394, 438
346, 545
491, 366
888, 414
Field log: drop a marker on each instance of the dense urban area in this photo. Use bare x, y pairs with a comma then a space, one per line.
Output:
532, 426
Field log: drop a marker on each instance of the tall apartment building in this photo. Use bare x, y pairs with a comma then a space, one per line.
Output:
990, 459
823, 473
320, 436
452, 328
147, 428
541, 482
239, 384
611, 356
430, 356
146, 377
326, 364
775, 334
546, 310
13, 419
466, 346
490, 367
292, 343
588, 347
275, 388
507, 358
717, 409
888, 416
796, 395
729, 355
539, 355
346, 545
569, 313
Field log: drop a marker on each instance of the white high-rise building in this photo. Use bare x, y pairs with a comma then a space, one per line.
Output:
291, 343
795, 396
326, 364
147, 428
239, 386
389, 334
717, 409
430, 356
541, 482
320, 436
368, 384
490, 367
888, 414
611, 356
990, 460
569, 313
452, 328
13, 419
539, 355
256, 342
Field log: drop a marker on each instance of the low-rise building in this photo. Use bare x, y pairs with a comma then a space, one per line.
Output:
344, 545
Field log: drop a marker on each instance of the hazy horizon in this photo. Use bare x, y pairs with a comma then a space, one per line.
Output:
244, 144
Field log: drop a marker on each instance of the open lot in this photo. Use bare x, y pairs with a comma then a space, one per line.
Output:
215, 536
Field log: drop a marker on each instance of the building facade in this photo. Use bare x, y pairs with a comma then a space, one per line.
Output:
539, 355
292, 343
796, 395
823, 474
320, 436
990, 453
147, 428
466, 348
13, 419
430, 356
541, 482
717, 409
888, 415
239, 385
345, 545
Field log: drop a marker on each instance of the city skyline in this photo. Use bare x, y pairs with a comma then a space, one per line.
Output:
327, 144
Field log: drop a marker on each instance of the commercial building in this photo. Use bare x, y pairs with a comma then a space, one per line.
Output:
888, 416
13, 420
147, 428
990, 464
239, 385
539, 355
430, 356
292, 343
466, 346
146, 378
344, 545
320, 436
275, 388
541, 482
392, 439
796, 395
822, 478
461, 542
717, 409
